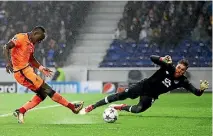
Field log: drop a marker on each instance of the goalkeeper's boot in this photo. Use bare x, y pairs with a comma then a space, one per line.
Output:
117, 106
19, 116
78, 107
87, 109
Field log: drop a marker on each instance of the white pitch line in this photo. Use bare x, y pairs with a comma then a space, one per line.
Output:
39, 108
46, 107
6, 115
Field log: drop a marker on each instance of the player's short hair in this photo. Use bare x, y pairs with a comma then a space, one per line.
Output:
39, 28
184, 62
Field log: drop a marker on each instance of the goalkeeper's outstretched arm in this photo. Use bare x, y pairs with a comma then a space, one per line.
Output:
161, 61
198, 92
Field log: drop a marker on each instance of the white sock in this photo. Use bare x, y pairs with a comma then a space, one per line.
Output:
106, 100
130, 108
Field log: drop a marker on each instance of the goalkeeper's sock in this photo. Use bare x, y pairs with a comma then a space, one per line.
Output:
101, 102
30, 104
132, 109
127, 108
109, 99
61, 100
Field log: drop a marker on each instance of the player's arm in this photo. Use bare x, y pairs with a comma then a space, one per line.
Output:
57, 73
6, 52
198, 92
47, 72
161, 61
34, 62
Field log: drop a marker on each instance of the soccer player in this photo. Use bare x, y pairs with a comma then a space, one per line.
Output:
162, 81
20, 60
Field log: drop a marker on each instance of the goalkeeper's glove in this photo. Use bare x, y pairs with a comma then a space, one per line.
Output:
47, 72
167, 59
204, 85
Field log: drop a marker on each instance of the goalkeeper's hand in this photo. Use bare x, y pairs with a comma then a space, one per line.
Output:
204, 85
47, 72
167, 59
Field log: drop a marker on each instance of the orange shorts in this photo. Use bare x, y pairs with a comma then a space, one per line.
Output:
28, 78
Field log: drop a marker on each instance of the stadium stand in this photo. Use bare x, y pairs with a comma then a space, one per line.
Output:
95, 35
122, 54
61, 20
179, 29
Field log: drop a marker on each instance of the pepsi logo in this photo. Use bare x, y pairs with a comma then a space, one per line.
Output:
109, 88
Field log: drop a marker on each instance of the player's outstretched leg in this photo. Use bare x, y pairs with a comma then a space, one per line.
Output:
61, 100
133, 92
19, 113
144, 103
108, 99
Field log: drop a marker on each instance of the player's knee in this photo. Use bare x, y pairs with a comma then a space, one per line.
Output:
42, 96
146, 106
48, 90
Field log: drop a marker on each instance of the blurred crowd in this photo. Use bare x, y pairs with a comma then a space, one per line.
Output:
165, 22
161, 22
60, 19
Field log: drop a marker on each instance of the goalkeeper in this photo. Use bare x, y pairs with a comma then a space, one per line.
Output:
165, 79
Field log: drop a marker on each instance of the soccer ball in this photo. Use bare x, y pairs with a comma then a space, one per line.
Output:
110, 115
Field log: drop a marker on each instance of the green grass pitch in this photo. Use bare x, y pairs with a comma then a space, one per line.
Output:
170, 115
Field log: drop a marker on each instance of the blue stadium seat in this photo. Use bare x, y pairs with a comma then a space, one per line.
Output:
137, 55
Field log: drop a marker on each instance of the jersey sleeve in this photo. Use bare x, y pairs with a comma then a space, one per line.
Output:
16, 40
189, 87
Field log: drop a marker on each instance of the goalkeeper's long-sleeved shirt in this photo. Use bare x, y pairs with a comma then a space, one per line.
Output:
163, 80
